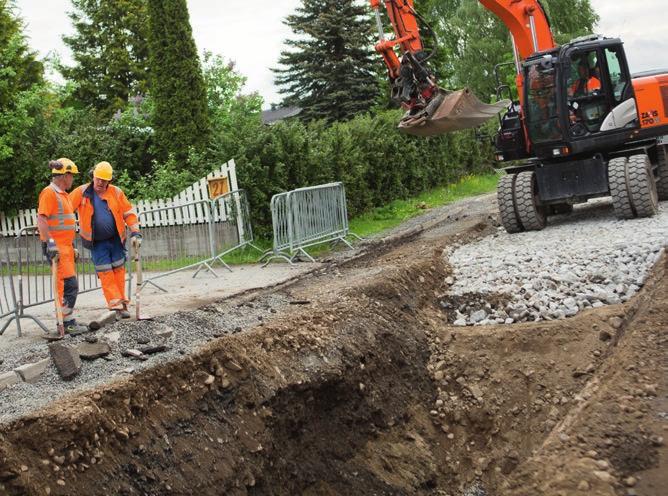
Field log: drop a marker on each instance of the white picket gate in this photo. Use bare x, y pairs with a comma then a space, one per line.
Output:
11, 226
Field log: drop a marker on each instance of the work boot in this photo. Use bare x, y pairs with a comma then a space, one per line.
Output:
124, 314
73, 328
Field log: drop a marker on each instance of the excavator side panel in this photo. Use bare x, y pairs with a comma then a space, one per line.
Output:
652, 99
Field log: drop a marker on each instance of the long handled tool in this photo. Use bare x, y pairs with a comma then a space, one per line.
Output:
56, 296
140, 281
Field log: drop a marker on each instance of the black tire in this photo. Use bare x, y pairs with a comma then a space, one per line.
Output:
505, 197
560, 209
532, 215
632, 187
642, 186
618, 190
662, 178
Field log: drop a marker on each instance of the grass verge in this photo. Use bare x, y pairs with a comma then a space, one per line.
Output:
391, 215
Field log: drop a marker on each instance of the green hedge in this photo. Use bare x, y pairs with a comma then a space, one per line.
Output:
376, 163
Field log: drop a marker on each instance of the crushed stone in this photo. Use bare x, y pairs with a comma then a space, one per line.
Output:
579, 261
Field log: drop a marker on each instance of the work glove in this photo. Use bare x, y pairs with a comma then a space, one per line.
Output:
50, 250
76, 254
136, 238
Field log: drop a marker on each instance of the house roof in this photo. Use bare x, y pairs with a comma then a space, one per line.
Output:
271, 116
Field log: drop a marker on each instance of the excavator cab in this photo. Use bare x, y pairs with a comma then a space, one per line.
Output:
576, 92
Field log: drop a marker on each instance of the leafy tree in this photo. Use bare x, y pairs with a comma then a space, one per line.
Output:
19, 69
330, 69
180, 119
21, 75
110, 53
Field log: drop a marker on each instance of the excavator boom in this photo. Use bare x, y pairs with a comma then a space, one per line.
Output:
432, 110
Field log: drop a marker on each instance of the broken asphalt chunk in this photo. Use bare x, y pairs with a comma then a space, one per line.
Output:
91, 351
66, 359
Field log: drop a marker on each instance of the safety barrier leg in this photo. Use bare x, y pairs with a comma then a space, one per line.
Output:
208, 267
6, 325
155, 285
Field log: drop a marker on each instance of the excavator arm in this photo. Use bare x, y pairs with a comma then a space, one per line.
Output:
432, 110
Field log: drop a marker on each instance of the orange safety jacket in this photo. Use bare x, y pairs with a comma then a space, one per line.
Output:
56, 206
585, 87
121, 209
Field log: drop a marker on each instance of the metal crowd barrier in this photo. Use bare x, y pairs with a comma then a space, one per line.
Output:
306, 217
30, 275
233, 208
195, 235
8, 296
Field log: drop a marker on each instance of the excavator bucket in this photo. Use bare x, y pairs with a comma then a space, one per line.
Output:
451, 111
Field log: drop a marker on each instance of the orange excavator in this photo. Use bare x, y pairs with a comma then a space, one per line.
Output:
581, 127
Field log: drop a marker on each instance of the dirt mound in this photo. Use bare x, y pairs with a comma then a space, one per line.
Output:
370, 390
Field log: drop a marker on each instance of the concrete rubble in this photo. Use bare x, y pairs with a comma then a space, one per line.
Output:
8, 379
31, 372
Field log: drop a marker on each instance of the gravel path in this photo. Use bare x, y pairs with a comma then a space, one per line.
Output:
586, 259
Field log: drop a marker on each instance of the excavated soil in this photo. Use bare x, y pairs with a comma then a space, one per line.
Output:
366, 389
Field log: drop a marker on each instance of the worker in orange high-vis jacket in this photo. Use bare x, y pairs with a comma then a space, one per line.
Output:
56, 225
104, 211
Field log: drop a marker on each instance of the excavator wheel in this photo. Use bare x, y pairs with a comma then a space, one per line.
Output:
532, 215
662, 179
632, 186
517, 198
505, 197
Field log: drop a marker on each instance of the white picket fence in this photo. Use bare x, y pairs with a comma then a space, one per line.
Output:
10, 226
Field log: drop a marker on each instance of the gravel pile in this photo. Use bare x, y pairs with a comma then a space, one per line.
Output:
587, 259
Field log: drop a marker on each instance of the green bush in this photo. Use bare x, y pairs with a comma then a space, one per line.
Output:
376, 163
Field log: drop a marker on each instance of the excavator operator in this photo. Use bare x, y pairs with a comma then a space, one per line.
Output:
586, 83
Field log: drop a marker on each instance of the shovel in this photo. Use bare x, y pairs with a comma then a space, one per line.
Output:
450, 111
139, 283
56, 298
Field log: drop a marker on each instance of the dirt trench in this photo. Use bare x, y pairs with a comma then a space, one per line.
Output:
369, 391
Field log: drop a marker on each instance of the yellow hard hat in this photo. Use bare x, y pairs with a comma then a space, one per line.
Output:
66, 166
103, 170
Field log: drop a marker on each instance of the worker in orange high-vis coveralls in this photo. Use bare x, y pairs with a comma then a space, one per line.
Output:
104, 211
56, 225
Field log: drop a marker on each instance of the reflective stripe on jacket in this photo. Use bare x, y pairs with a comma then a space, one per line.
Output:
121, 209
56, 206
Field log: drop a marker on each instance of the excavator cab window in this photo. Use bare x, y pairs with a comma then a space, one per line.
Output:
619, 79
541, 112
587, 102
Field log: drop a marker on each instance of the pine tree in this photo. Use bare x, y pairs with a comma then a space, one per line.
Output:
180, 120
110, 52
331, 69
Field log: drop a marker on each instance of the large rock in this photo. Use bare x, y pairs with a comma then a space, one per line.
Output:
478, 316
31, 372
91, 351
66, 360
8, 379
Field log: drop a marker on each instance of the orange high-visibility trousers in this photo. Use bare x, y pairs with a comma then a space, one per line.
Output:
113, 287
